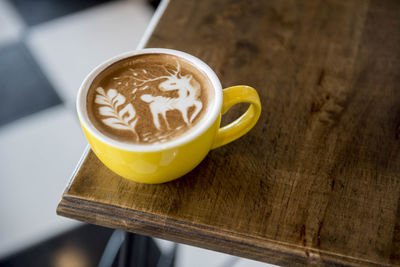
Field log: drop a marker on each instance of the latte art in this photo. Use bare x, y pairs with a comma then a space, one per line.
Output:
148, 99
188, 94
125, 119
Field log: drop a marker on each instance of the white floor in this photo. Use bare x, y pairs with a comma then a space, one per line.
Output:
37, 156
38, 153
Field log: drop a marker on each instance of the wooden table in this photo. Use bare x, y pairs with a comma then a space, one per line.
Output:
317, 181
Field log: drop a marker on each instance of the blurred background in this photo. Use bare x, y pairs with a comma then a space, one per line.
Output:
47, 47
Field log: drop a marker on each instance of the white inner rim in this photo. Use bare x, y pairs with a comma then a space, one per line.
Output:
208, 118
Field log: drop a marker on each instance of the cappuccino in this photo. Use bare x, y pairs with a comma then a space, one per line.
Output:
149, 99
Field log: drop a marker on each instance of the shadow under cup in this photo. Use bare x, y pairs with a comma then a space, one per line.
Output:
162, 162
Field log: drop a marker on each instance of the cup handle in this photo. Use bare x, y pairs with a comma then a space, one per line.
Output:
231, 96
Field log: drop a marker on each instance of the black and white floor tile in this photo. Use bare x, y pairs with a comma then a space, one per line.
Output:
47, 47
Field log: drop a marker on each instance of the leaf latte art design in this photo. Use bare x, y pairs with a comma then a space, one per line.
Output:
124, 119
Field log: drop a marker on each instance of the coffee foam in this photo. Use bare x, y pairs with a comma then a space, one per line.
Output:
148, 99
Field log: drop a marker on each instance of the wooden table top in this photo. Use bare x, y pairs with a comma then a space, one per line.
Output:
317, 181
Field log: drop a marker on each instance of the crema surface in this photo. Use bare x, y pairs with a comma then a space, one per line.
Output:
149, 99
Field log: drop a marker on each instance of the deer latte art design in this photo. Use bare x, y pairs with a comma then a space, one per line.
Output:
186, 100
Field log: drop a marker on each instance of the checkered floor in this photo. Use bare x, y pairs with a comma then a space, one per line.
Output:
46, 49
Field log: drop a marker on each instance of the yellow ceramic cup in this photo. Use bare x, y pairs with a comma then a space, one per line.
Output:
164, 162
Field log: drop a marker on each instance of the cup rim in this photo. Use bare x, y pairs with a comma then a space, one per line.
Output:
209, 118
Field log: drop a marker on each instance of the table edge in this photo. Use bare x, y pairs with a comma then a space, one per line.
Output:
256, 248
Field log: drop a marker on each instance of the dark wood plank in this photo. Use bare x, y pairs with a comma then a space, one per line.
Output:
317, 180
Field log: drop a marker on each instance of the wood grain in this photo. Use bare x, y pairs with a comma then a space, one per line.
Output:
316, 182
